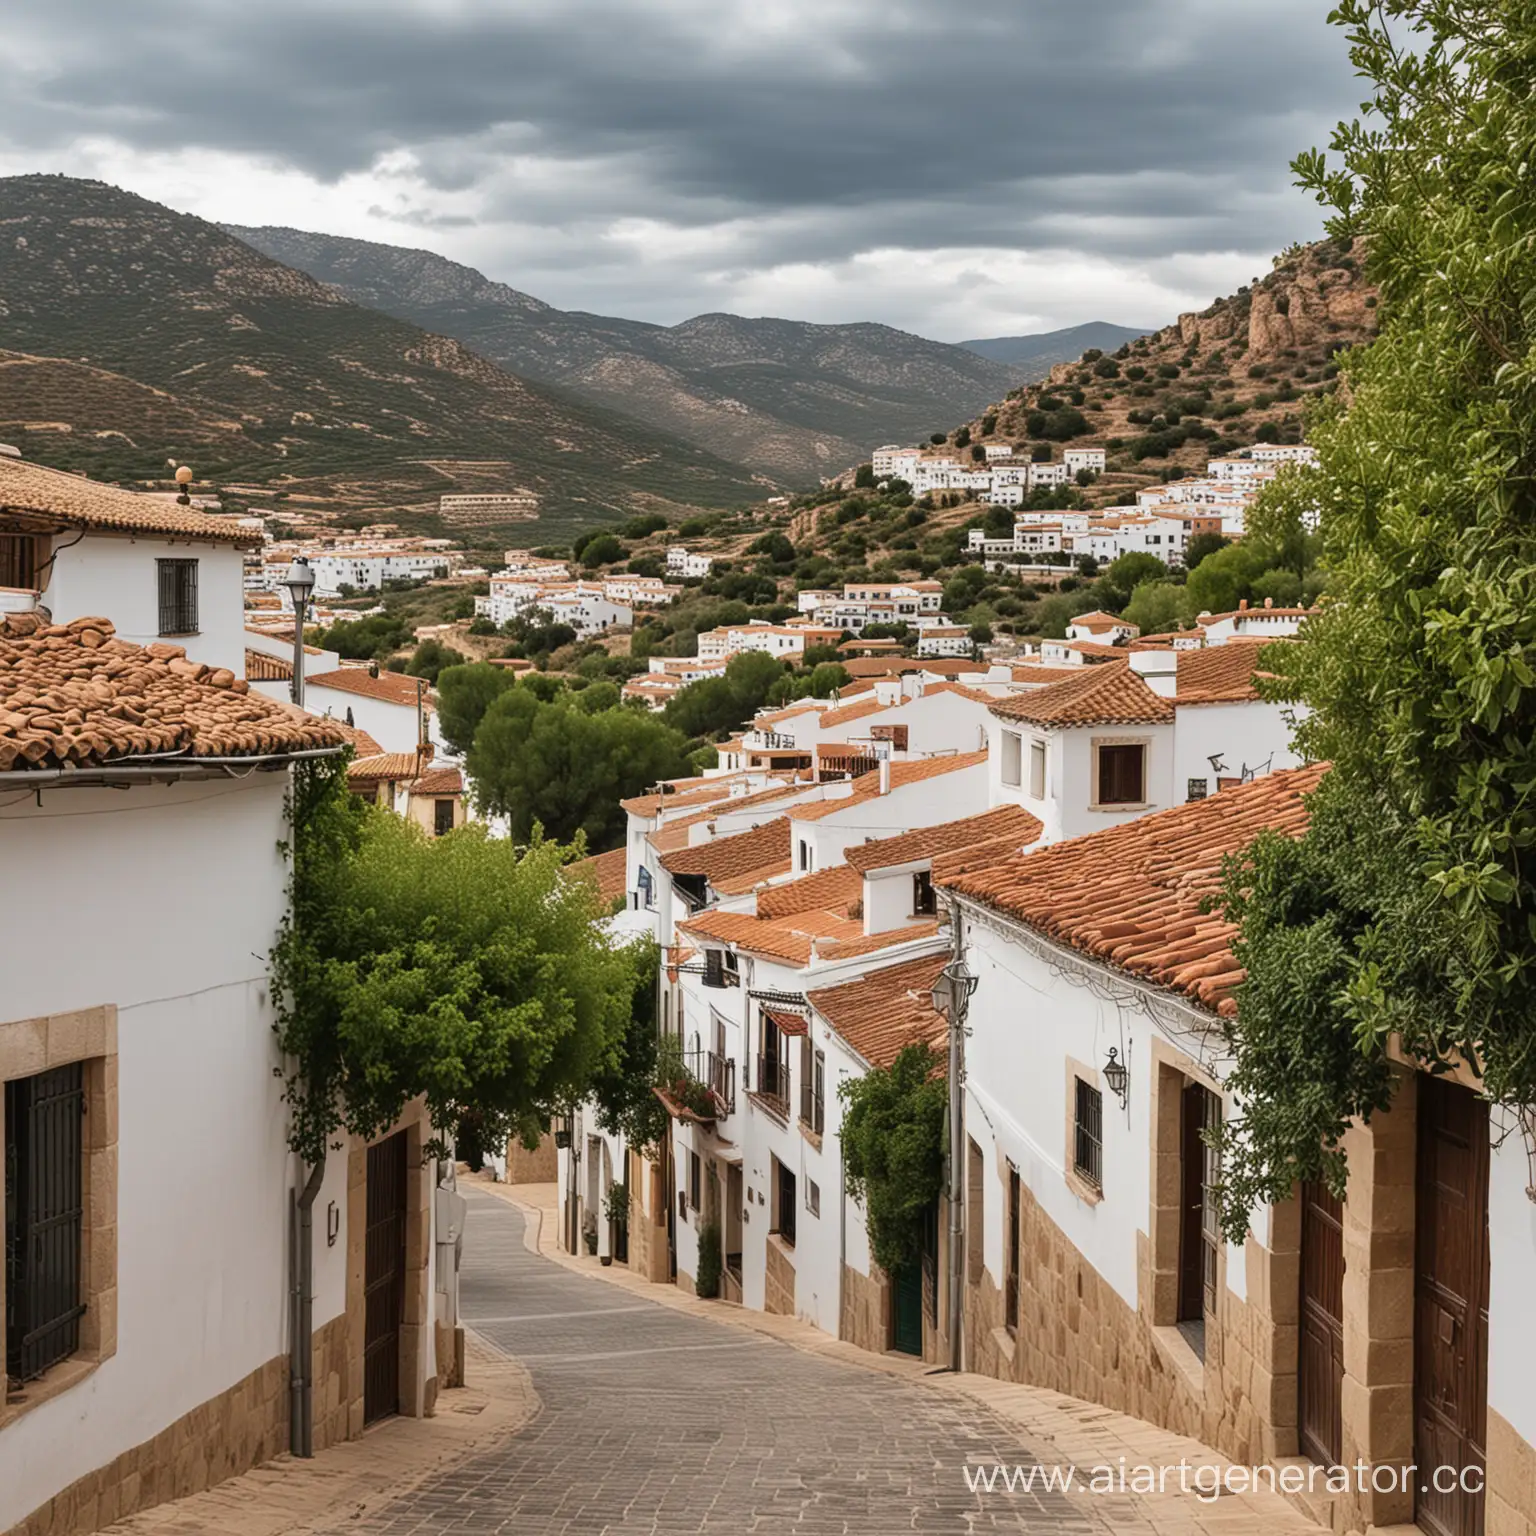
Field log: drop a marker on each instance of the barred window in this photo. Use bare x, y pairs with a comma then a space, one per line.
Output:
1088, 1134
178, 596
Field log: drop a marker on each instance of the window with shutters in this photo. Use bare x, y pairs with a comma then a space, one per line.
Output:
44, 1210
22, 558
442, 817
1120, 772
178, 596
1037, 770
1013, 755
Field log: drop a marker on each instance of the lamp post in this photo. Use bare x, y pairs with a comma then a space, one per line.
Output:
951, 996
300, 582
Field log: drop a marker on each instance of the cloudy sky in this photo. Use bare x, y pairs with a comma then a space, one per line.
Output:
955, 167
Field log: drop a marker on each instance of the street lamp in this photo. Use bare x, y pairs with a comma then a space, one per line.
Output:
300, 581
1117, 1076
951, 996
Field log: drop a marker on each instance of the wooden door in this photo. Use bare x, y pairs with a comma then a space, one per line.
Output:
1450, 1364
384, 1278
907, 1309
1321, 1349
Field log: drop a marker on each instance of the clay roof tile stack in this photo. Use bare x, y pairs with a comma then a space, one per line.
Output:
73, 695
1131, 896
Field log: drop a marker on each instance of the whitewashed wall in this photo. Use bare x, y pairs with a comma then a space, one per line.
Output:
163, 901
393, 726
114, 576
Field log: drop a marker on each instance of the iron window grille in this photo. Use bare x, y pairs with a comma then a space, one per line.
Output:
44, 1204
1088, 1134
1210, 1205
178, 596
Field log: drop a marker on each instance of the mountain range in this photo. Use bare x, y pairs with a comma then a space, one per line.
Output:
786, 399
1037, 355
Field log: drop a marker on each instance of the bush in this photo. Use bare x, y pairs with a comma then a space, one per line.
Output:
1107, 368
864, 477
605, 549
711, 1262
963, 438
989, 424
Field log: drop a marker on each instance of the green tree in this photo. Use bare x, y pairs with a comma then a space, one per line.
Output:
864, 477
1124, 574
893, 1150
366, 639
1405, 910
464, 693
429, 659
1201, 545
466, 969
556, 767
605, 549
1155, 606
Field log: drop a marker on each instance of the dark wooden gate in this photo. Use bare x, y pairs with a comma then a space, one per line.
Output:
907, 1309
1199, 1237
384, 1278
1321, 1349
1450, 1359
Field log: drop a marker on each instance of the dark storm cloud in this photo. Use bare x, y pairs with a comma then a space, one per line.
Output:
1126, 127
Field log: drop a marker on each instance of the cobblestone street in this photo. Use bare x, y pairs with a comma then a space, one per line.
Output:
656, 1421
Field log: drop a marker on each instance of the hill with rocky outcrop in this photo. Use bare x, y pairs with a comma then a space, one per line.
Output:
1215, 381
139, 333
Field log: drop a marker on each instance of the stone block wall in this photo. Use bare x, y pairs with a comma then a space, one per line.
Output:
779, 1280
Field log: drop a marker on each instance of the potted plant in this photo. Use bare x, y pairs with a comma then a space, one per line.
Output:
589, 1232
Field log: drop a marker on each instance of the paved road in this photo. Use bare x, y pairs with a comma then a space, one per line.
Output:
662, 1423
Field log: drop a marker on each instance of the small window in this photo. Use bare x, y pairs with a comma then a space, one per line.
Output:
695, 1180
442, 817
720, 968
22, 558
178, 596
44, 1210
1037, 770
924, 902
805, 855
784, 1203
1088, 1134
813, 1197
1013, 748
1121, 777
1197, 789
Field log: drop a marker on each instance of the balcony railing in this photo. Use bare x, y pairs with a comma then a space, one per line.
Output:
768, 741
773, 1082
718, 1074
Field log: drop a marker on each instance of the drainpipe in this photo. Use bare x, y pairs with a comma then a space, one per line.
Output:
301, 1386
956, 1151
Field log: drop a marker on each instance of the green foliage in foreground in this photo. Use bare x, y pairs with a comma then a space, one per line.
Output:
1410, 906
893, 1149
466, 968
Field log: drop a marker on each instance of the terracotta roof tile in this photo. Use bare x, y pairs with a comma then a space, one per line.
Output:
73, 695
445, 779
388, 687
385, 766
1011, 821
1220, 674
868, 944
783, 938
837, 889
1107, 695
263, 668
51, 498
885, 1012
1130, 896
846, 714
605, 870
726, 861
362, 744
867, 785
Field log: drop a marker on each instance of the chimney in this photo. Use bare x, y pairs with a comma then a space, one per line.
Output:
885, 775
888, 691
1159, 670
911, 685
1242, 605
1269, 602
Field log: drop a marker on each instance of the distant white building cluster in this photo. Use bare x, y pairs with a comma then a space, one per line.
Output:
590, 605
1001, 477
684, 562
364, 561
1162, 521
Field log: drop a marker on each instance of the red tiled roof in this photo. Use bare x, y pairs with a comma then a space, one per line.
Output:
605, 870
362, 744
388, 687
834, 890
1130, 896
782, 938
726, 861
868, 944
52, 498
442, 780
846, 714
386, 765
1011, 821
867, 785
1220, 674
1107, 695
73, 695
885, 1012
